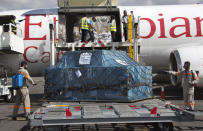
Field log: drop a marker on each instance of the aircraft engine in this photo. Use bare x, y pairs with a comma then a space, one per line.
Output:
194, 54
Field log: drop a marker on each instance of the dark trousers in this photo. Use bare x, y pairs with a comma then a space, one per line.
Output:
113, 36
125, 33
84, 35
91, 33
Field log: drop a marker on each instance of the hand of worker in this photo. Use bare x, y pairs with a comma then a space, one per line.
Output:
168, 72
191, 83
34, 84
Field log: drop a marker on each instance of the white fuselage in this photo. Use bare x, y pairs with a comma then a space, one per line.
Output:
162, 30
165, 28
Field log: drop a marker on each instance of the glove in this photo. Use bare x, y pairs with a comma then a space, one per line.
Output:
191, 83
34, 84
168, 72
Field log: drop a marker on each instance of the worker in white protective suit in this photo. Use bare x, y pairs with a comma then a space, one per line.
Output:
189, 78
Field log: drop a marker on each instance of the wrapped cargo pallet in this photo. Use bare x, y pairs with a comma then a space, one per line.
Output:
100, 75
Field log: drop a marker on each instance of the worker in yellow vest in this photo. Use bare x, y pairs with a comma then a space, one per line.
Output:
13, 26
113, 28
84, 28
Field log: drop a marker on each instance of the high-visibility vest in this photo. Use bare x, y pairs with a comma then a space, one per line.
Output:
84, 24
13, 27
113, 26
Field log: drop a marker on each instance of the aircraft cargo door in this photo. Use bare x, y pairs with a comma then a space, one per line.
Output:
70, 23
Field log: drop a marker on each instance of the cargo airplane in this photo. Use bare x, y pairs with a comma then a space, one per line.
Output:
169, 35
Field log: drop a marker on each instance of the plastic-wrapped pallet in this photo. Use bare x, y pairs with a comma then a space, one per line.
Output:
98, 75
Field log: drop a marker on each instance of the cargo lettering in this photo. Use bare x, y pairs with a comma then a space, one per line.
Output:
26, 56
185, 26
152, 30
28, 24
44, 57
31, 27
199, 27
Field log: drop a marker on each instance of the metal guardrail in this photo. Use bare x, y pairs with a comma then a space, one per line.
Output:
71, 3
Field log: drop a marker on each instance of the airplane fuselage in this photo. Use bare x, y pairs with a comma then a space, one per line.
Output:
163, 29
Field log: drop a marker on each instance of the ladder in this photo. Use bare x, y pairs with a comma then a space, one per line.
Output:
133, 37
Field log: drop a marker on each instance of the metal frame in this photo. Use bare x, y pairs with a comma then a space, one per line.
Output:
142, 120
165, 113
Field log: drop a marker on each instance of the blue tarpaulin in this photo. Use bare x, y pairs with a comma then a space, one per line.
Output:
98, 75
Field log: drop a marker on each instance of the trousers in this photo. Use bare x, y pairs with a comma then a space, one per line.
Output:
84, 35
91, 33
125, 29
188, 95
113, 36
22, 95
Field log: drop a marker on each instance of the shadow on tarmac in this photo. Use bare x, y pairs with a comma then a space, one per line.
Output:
176, 93
187, 128
36, 98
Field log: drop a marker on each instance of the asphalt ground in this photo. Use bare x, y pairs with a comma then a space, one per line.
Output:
36, 94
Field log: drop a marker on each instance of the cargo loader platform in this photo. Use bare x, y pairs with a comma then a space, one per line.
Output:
143, 112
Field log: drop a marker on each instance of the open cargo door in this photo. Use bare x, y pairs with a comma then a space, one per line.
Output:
70, 16
70, 22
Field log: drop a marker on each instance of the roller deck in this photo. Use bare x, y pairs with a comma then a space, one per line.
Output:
75, 113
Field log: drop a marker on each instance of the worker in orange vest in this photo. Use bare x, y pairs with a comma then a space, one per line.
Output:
189, 78
23, 92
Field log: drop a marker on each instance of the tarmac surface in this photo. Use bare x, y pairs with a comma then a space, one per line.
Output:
36, 94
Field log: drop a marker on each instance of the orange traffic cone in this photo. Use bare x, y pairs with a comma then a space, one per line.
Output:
162, 93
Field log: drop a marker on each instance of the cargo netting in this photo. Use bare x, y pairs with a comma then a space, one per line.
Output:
97, 76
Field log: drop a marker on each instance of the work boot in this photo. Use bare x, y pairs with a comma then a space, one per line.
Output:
188, 108
27, 116
13, 118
